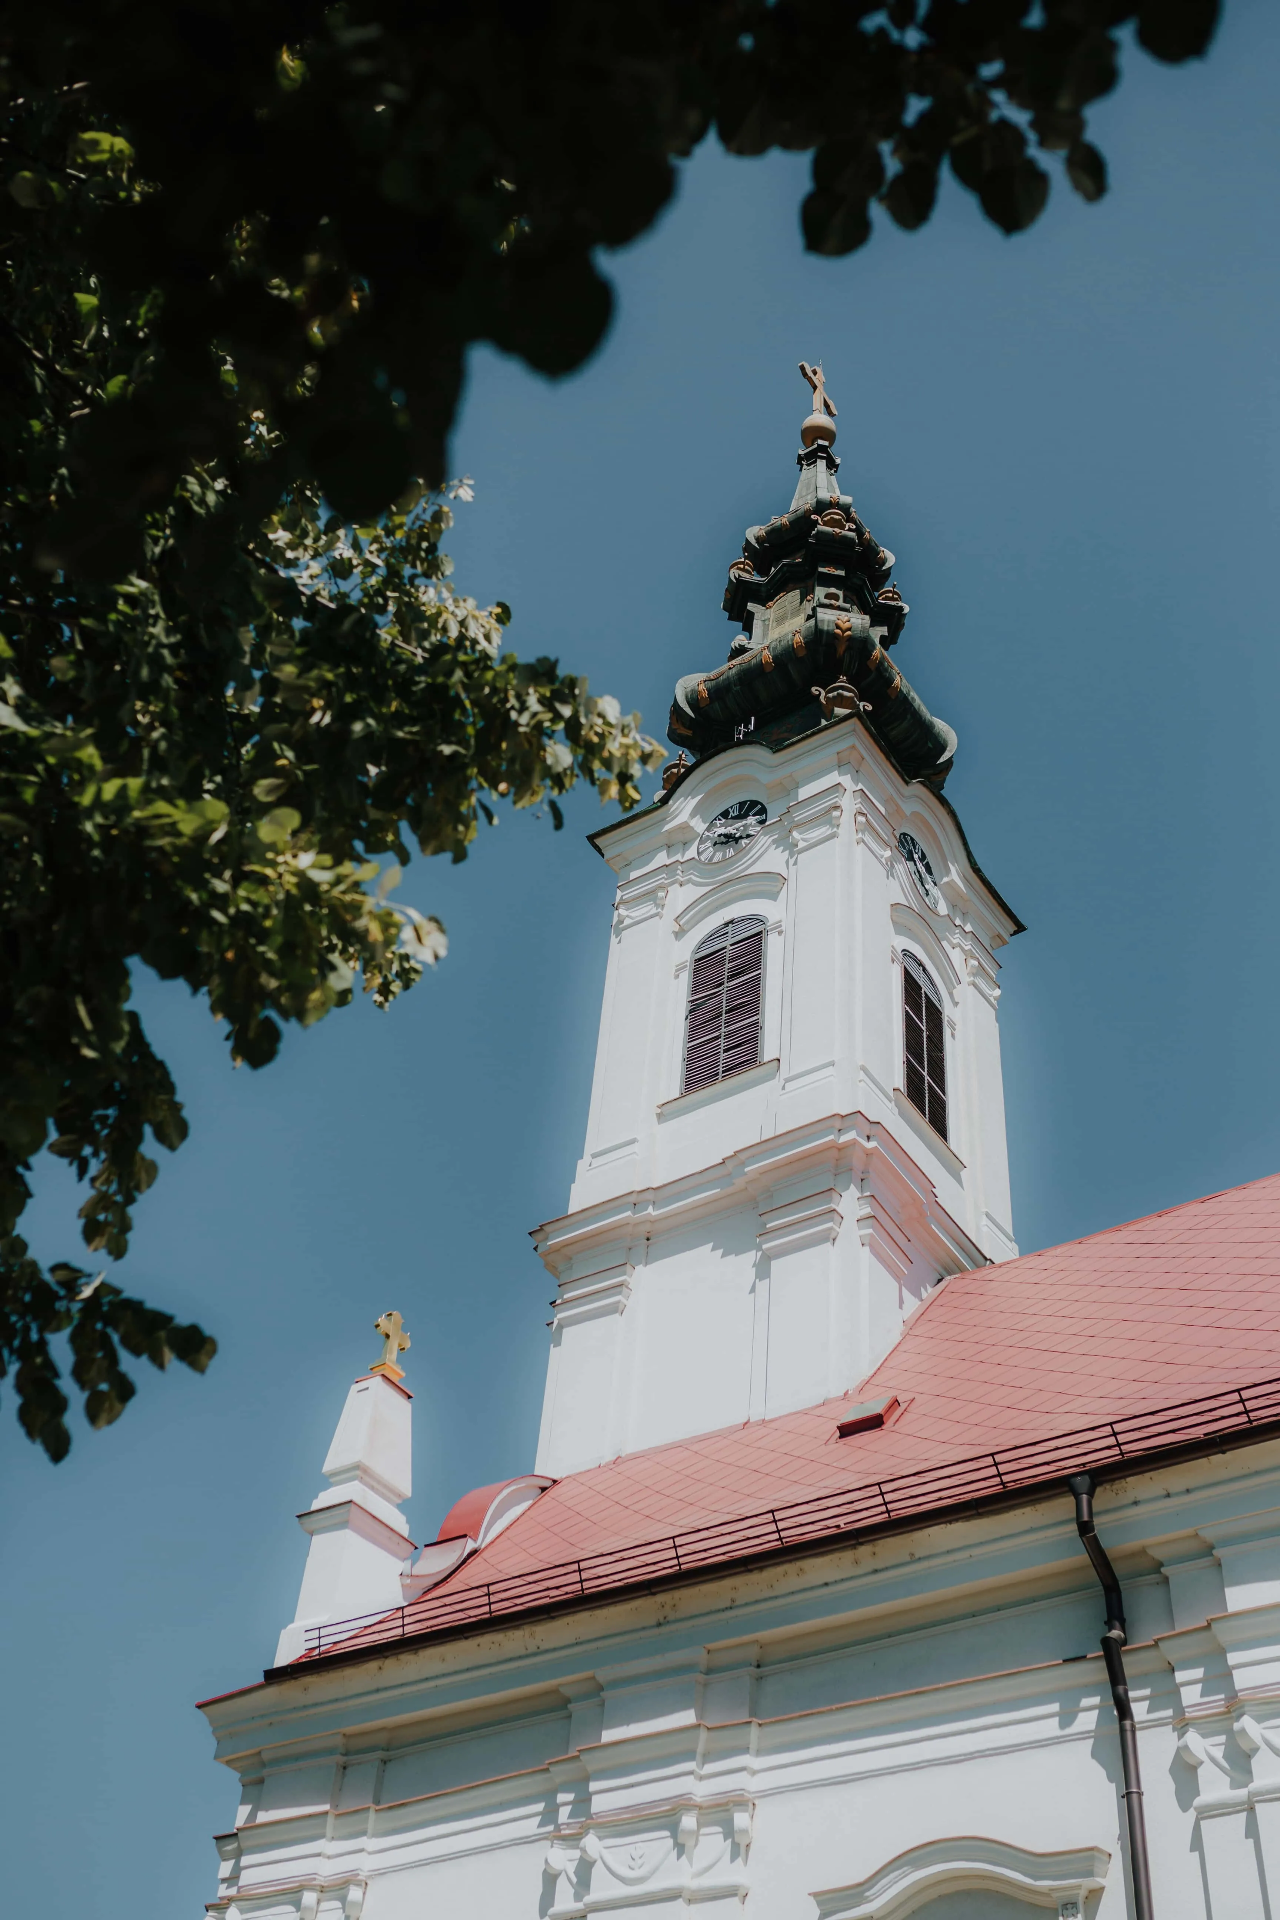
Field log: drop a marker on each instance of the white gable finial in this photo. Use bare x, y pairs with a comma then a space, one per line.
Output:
359, 1537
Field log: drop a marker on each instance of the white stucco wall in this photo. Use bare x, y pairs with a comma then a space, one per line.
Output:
820, 1740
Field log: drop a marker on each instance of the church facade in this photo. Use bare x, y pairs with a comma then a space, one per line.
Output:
864, 1569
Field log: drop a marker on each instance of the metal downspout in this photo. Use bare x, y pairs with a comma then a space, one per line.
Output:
1082, 1487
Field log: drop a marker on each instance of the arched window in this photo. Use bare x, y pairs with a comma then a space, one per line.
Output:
925, 1063
722, 1035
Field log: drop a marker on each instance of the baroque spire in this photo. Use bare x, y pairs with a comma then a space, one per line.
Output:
819, 610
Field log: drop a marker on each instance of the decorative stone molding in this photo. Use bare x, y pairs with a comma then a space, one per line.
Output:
1230, 1867
809, 1076
983, 981
1193, 1576
867, 1149
797, 1224
670, 1857
809, 822
873, 830
910, 925
352, 1516
1253, 1737
593, 1294
309, 1899
756, 883
1058, 1881
907, 1110
1000, 1243
616, 1150
640, 899
886, 1239
756, 1076
1195, 1753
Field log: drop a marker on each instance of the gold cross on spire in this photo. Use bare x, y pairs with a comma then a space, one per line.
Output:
821, 402
396, 1342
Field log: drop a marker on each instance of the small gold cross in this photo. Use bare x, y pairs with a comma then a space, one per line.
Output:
391, 1327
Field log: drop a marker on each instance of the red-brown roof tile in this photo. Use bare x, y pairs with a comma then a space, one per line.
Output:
1156, 1311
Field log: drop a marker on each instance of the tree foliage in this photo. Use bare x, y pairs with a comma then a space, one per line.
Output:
207, 783
214, 765
345, 197
245, 251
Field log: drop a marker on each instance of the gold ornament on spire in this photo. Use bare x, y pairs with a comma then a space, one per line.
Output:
819, 425
396, 1342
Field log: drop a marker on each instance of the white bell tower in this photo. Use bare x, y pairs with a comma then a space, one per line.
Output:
797, 1117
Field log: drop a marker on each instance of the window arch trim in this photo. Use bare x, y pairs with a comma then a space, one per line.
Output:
911, 929
725, 1007
965, 1864
758, 887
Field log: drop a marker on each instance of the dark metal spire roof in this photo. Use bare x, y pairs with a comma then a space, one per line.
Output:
813, 592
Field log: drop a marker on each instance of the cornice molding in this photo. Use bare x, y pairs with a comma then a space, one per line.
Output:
643, 898
303, 1894
851, 1145
815, 818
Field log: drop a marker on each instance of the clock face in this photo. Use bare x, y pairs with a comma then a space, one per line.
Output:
921, 872
730, 830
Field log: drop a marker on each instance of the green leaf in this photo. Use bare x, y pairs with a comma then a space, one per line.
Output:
201, 817
291, 70
834, 225
1014, 196
277, 826
31, 190
95, 147
910, 195
1087, 170
1176, 30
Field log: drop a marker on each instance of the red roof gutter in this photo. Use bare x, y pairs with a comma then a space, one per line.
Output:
1010, 1476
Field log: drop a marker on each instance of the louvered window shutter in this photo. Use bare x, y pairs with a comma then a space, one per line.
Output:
924, 1044
722, 1035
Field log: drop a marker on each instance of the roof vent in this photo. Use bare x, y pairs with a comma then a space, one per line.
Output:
868, 1415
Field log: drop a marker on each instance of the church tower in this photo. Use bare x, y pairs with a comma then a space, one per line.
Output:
797, 1116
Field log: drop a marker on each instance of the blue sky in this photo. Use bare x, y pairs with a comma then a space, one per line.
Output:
1070, 442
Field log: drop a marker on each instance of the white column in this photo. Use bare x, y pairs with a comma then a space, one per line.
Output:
797, 1238
1264, 1798
631, 1046
810, 1028
1230, 1863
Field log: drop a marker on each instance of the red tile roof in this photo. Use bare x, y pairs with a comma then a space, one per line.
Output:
1158, 1311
